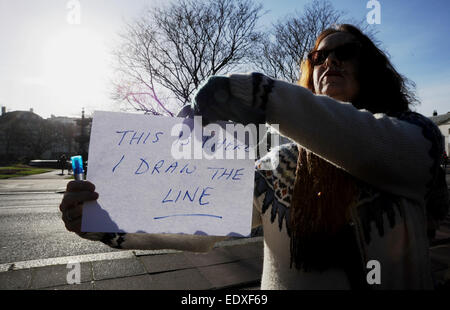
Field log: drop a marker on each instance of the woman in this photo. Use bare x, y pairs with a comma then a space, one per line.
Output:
352, 188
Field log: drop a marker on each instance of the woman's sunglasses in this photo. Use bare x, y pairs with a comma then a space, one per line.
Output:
344, 52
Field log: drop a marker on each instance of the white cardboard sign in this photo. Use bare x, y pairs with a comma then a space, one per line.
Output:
143, 188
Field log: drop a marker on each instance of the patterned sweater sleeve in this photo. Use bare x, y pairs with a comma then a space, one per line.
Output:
142, 241
274, 184
395, 154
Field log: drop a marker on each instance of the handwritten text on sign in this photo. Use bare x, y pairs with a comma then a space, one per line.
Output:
143, 188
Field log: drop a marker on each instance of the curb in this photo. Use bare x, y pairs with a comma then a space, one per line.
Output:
108, 256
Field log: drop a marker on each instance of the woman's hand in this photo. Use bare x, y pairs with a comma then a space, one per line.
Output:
77, 192
240, 98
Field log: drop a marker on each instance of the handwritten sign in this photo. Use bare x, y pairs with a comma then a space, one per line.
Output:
144, 187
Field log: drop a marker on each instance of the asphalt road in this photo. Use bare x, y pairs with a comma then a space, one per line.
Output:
31, 228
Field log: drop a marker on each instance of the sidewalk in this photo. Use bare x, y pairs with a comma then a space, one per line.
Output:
52, 181
55, 174
237, 266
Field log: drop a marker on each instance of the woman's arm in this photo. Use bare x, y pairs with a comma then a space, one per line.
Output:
390, 153
141, 241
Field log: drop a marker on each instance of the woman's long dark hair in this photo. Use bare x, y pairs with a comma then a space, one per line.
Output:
382, 88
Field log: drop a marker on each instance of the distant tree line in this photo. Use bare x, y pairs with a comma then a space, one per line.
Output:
25, 136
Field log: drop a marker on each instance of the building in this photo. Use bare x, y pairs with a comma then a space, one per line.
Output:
25, 135
443, 122
21, 135
64, 142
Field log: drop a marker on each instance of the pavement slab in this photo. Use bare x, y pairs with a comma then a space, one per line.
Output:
186, 279
245, 251
49, 276
141, 282
15, 279
233, 274
167, 262
117, 268
213, 257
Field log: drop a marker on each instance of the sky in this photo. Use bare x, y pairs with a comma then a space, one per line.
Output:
55, 65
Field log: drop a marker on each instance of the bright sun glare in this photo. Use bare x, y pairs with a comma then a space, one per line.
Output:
75, 61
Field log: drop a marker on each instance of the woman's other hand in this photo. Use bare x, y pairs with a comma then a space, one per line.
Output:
77, 192
230, 98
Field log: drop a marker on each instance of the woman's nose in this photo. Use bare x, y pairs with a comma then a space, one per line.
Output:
331, 59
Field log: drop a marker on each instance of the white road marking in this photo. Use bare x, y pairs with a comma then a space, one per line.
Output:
105, 256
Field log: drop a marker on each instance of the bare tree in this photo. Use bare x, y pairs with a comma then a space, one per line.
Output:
180, 45
40, 137
293, 37
13, 137
62, 137
24, 135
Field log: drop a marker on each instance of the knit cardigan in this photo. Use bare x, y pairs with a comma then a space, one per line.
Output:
394, 159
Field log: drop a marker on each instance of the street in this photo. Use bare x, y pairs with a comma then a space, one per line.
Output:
30, 222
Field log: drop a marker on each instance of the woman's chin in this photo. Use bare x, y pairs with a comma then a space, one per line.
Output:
335, 93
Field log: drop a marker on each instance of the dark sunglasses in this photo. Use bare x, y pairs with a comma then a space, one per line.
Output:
344, 52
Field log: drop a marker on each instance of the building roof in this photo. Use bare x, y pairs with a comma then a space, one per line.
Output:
62, 119
441, 119
19, 116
